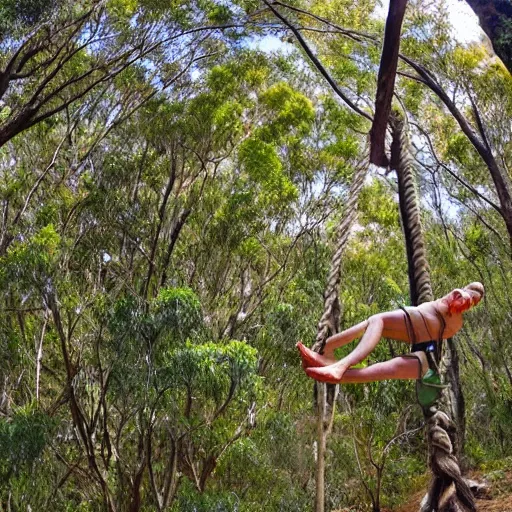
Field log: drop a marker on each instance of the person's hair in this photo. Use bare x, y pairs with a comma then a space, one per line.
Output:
455, 306
476, 287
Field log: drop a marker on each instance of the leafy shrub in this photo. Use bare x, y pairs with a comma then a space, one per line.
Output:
22, 439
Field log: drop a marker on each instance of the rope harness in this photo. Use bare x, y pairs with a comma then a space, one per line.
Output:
429, 386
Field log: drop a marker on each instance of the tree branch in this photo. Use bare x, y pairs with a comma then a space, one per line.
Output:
317, 63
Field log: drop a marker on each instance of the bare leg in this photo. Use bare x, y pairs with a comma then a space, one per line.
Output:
368, 342
397, 368
344, 337
314, 359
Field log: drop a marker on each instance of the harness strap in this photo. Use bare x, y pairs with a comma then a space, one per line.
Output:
408, 325
432, 355
429, 386
440, 336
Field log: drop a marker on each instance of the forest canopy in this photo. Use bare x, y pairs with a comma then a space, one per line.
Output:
172, 179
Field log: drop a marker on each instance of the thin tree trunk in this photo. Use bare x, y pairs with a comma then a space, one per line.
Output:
321, 444
39, 355
386, 81
457, 402
178, 226
161, 218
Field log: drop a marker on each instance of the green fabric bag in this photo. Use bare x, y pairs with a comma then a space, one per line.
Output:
429, 388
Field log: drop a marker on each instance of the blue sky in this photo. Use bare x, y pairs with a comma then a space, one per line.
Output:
463, 19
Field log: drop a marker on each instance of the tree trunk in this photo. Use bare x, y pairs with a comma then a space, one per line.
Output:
441, 431
386, 82
495, 18
456, 402
323, 418
329, 325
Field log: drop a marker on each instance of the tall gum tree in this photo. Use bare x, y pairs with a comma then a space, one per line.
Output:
65, 51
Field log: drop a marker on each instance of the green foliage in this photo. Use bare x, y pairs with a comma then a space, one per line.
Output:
179, 310
504, 37
285, 324
477, 241
31, 261
267, 466
457, 148
261, 161
189, 500
24, 12
383, 212
23, 438
212, 368
219, 14
414, 95
263, 166
290, 110
180, 206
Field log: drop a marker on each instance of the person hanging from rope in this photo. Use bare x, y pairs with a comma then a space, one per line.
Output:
423, 327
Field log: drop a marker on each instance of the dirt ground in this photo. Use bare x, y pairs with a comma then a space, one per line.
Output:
499, 497
499, 500
496, 504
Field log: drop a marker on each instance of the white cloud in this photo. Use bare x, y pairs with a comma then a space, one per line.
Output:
464, 21
270, 44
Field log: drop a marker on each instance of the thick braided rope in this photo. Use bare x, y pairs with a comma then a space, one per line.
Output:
440, 429
444, 465
330, 317
420, 272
